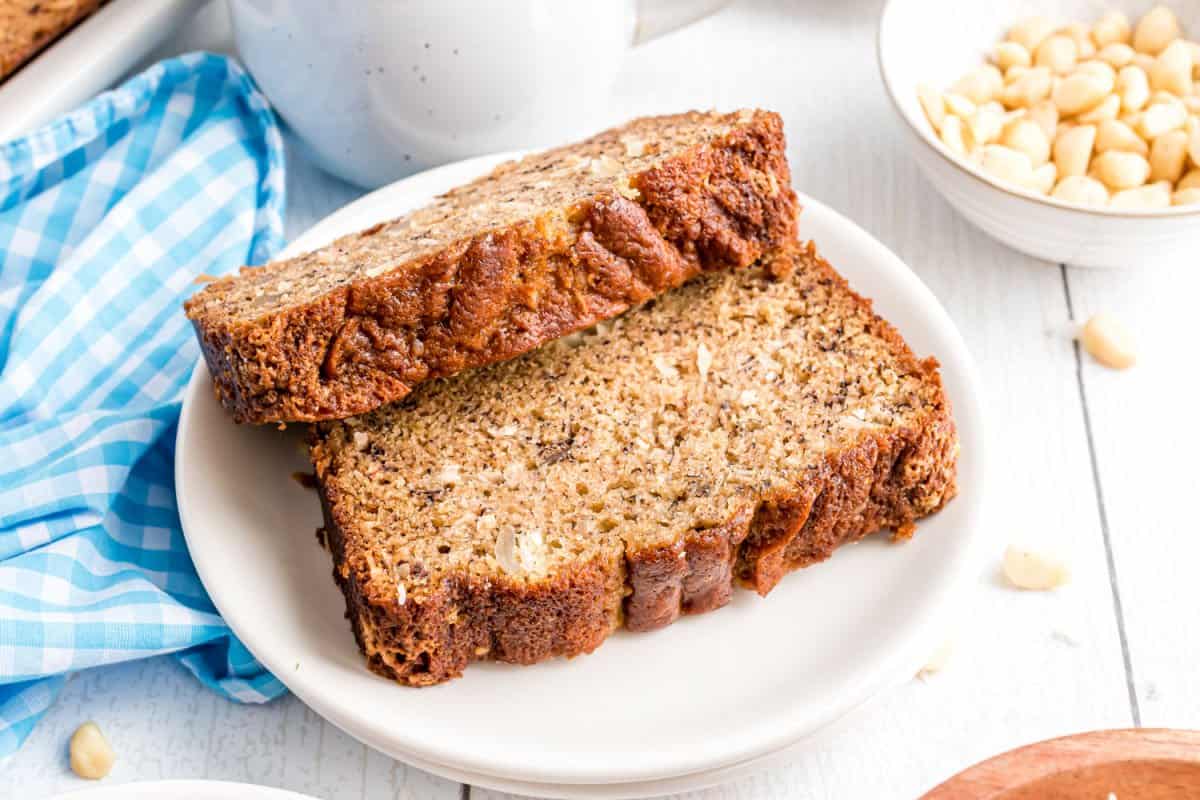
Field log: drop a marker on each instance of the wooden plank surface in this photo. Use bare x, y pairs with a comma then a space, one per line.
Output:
1145, 448
1026, 666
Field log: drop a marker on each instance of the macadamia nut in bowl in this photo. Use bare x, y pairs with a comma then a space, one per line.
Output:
1067, 129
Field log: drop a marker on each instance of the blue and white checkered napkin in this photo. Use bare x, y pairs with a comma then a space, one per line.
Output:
107, 216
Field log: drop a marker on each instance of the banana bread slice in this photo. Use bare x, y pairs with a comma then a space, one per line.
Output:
537, 249
731, 431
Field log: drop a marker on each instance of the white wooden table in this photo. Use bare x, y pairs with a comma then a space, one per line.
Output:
1098, 463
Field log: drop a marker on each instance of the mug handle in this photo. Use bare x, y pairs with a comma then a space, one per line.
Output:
659, 17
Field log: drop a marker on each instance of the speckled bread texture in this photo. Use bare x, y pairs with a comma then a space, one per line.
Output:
537, 249
27, 26
741, 427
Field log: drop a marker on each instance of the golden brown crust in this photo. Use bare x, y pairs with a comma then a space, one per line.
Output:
28, 26
502, 293
883, 480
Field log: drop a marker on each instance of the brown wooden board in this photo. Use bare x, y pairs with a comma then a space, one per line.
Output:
1141, 764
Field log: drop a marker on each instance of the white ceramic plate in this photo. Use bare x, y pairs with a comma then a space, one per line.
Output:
639, 790
88, 59
708, 692
183, 790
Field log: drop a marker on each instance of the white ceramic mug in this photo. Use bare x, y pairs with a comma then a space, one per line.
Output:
379, 89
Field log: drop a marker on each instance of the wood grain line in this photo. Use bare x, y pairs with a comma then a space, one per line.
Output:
1134, 709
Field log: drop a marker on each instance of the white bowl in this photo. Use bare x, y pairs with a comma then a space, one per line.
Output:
935, 42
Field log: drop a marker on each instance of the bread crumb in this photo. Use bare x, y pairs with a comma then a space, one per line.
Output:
572, 340
506, 552
521, 553
401, 594
626, 189
704, 360
938, 660
531, 551
748, 397
773, 183
203, 278
604, 167
361, 440
451, 474
665, 368
376, 271
1035, 569
1065, 636
514, 471
634, 147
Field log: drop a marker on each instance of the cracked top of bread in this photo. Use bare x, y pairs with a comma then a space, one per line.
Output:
625, 445
536, 249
